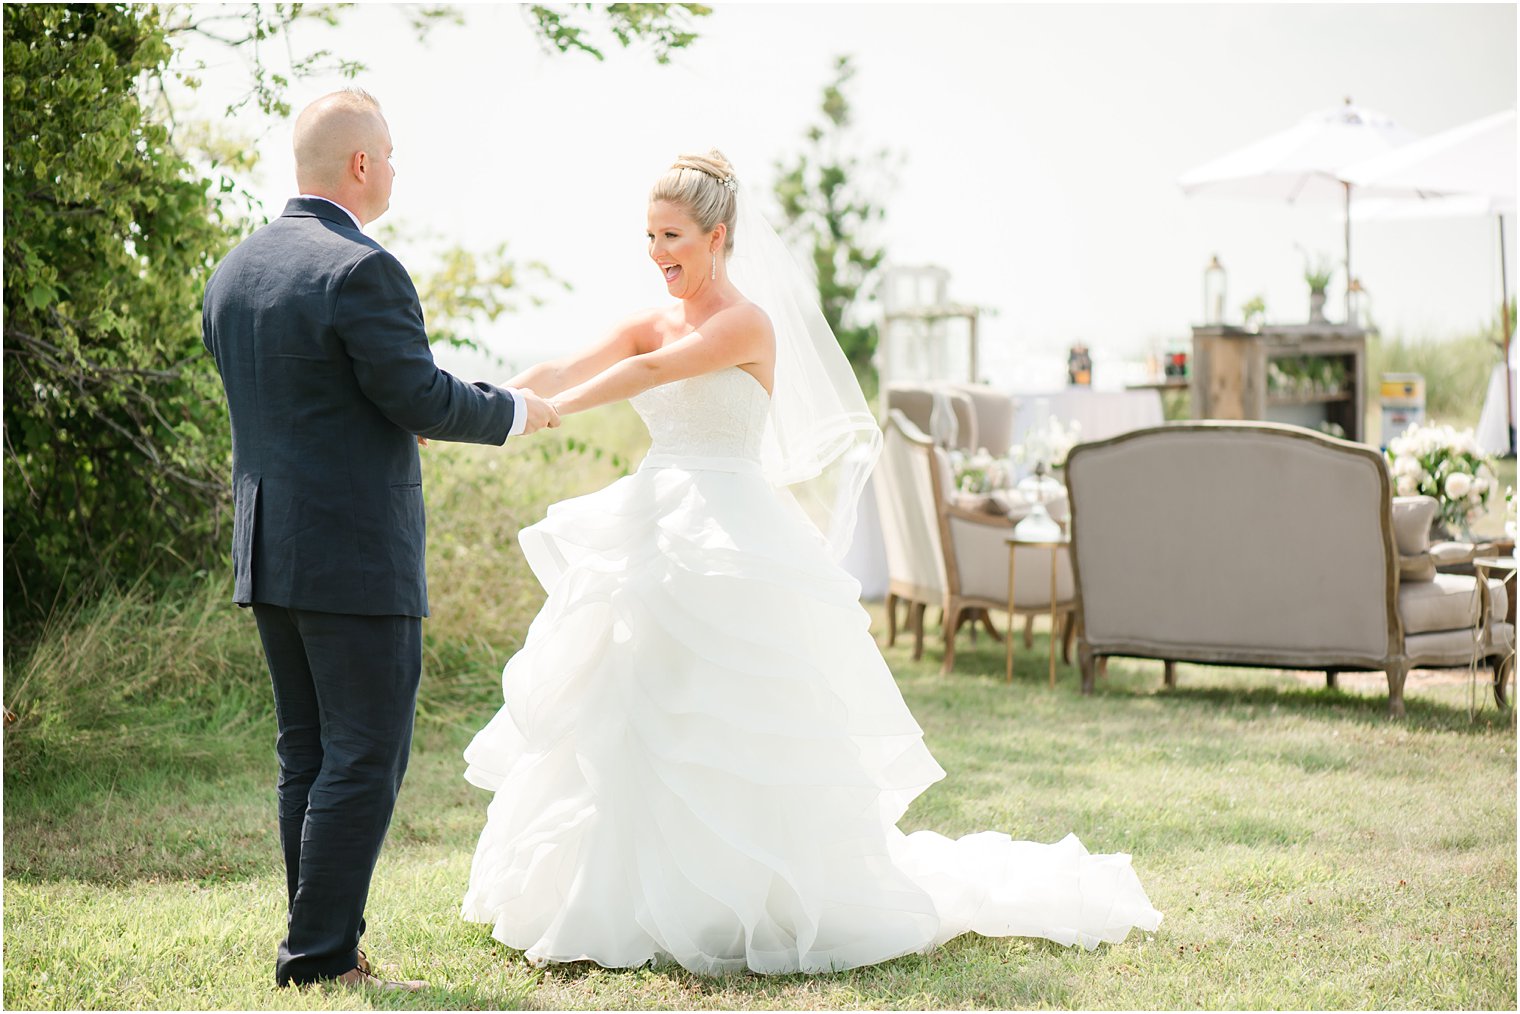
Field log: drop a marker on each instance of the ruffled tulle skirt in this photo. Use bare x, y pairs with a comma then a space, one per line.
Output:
702, 758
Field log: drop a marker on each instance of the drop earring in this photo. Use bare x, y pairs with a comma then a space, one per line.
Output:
715, 267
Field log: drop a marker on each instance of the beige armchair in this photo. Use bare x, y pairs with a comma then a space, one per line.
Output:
1268, 545
994, 412
905, 502
916, 403
939, 553
983, 414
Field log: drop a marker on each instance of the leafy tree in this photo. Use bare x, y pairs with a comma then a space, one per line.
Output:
832, 201
115, 433
468, 288
664, 26
115, 427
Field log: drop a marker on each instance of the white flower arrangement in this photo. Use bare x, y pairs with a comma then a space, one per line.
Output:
1046, 447
1442, 462
979, 472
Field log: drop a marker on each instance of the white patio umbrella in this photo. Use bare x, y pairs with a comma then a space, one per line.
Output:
1475, 162
1467, 170
1302, 163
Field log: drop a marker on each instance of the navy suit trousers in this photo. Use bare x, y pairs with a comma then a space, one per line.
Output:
345, 691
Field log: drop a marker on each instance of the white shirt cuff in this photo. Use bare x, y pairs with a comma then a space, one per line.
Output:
519, 411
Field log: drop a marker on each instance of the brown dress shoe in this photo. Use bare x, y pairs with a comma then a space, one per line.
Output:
359, 977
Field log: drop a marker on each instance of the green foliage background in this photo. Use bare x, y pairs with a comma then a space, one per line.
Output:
117, 447
116, 438
831, 201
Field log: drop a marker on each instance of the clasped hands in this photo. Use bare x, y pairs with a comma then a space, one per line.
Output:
541, 414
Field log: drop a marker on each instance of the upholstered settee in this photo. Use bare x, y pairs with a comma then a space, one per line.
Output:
1257, 544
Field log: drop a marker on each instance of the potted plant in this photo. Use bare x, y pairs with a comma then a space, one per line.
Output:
1254, 312
1318, 275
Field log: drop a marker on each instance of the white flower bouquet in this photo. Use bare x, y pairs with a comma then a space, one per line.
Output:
1441, 462
1046, 447
979, 473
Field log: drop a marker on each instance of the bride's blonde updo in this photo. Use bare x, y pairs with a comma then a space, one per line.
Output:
705, 186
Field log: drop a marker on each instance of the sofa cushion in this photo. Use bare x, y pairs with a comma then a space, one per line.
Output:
1448, 602
1412, 517
1417, 568
1457, 647
1451, 554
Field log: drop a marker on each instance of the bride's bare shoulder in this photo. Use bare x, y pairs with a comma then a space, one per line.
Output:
647, 328
750, 320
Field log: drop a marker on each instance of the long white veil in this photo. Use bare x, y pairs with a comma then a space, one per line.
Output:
821, 441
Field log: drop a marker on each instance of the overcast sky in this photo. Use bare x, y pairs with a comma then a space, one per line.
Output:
1041, 148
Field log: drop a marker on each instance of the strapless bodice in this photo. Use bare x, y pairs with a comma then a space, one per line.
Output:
718, 415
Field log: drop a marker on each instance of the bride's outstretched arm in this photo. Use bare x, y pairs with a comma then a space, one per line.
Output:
733, 337
549, 379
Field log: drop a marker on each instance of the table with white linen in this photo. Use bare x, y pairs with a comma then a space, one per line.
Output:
1101, 414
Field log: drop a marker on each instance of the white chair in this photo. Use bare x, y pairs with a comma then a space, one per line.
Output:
905, 502
942, 554
984, 415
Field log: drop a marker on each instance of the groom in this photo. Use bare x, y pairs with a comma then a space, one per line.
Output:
317, 332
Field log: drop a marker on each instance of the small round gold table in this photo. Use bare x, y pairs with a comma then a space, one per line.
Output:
1055, 546
1501, 568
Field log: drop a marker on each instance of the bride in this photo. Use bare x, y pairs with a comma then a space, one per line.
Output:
702, 756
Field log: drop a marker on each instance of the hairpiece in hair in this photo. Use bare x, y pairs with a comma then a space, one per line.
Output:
730, 182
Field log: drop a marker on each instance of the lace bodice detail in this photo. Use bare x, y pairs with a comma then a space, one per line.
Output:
719, 414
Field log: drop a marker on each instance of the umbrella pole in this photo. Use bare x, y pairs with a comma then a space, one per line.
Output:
1509, 373
1349, 321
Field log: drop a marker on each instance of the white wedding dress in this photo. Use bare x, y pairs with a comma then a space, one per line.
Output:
702, 756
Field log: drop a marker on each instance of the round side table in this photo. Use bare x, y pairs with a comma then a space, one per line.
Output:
1501, 568
1055, 546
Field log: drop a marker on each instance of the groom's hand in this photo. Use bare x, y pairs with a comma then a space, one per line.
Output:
541, 414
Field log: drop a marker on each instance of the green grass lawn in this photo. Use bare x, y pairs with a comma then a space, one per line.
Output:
1306, 851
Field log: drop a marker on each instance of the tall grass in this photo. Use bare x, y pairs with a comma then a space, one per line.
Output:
135, 672
1456, 372
174, 672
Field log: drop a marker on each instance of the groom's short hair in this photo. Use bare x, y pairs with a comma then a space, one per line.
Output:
327, 132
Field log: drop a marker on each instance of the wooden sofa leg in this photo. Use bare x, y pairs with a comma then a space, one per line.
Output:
1028, 631
916, 618
1333, 678
992, 631
891, 619
1066, 636
1397, 671
1086, 665
952, 626
1169, 674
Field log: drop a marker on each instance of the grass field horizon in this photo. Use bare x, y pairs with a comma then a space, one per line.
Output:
1306, 851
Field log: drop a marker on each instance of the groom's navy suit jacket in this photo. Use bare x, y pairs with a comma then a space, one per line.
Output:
318, 334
